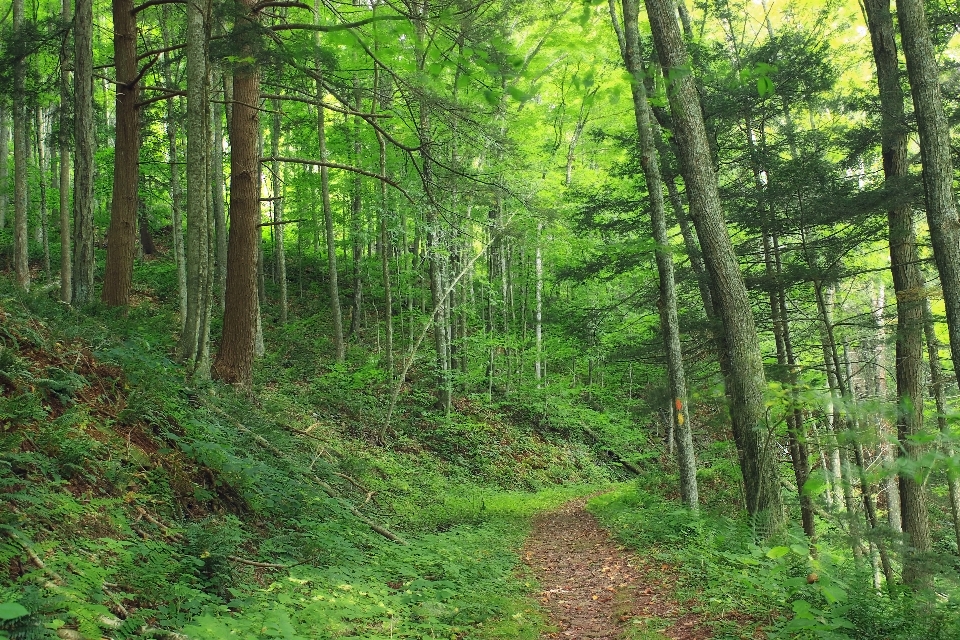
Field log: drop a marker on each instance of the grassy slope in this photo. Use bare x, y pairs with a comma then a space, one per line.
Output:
133, 500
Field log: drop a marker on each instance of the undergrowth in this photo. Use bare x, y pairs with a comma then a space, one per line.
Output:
138, 505
743, 585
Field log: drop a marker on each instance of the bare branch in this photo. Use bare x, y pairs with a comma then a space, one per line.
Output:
335, 165
329, 28
154, 3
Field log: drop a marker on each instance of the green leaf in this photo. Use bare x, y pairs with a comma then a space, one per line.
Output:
778, 552
764, 86
833, 594
11, 610
799, 549
801, 608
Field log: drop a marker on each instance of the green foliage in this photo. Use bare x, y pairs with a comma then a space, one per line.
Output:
792, 589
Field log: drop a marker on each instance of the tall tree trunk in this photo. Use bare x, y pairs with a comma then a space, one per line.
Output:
937, 385
194, 339
218, 208
629, 36
234, 362
121, 236
84, 143
279, 253
21, 155
538, 310
386, 246
43, 166
746, 384
356, 215
4, 159
66, 263
944, 234
334, 285
176, 194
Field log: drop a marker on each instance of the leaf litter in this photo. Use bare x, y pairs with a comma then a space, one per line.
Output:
594, 588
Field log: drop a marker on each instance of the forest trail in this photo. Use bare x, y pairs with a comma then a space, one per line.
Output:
593, 588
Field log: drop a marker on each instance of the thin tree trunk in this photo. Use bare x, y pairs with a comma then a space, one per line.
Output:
334, 286
386, 246
279, 252
4, 159
176, 193
66, 263
234, 361
219, 193
746, 384
538, 312
21, 157
669, 320
193, 340
84, 142
43, 166
121, 236
939, 393
944, 235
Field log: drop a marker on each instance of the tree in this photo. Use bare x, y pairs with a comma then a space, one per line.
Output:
21, 147
234, 361
121, 235
84, 142
64, 138
907, 279
195, 337
944, 227
745, 382
629, 37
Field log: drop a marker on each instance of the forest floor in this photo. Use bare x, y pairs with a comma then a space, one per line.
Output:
594, 588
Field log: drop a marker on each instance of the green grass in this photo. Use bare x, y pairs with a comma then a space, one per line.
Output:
143, 497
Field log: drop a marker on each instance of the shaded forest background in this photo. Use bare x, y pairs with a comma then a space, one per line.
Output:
478, 248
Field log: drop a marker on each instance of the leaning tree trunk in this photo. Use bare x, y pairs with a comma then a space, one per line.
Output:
121, 236
746, 383
84, 144
938, 177
937, 385
669, 320
234, 362
21, 147
66, 266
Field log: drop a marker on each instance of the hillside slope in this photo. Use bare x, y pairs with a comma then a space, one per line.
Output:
136, 505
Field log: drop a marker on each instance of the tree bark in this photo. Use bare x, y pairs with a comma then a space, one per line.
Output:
173, 159
234, 362
218, 208
667, 305
66, 263
4, 159
84, 143
279, 252
21, 156
746, 383
334, 285
121, 235
942, 218
43, 167
194, 339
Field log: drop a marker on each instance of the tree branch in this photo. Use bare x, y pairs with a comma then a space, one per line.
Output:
154, 3
329, 28
335, 165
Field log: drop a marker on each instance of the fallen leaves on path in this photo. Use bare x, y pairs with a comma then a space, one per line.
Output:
592, 587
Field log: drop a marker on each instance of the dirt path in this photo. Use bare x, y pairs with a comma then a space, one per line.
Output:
595, 589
